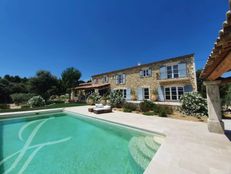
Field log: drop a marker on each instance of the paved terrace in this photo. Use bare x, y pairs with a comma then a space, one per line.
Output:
188, 147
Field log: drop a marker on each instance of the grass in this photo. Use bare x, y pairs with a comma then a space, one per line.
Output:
52, 106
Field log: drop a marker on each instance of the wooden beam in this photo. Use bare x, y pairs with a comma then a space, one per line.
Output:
221, 68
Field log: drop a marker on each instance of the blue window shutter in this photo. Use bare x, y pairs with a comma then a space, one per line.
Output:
163, 72
128, 94
188, 88
182, 69
160, 93
140, 94
124, 78
117, 79
149, 72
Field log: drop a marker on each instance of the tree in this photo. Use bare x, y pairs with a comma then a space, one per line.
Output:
4, 91
200, 86
44, 84
70, 78
224, 89
226, 95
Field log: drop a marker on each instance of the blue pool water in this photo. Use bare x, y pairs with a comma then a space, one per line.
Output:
64, 143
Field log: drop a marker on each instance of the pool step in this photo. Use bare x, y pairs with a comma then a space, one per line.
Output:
141, 161
159, 140
151, 144
142, 150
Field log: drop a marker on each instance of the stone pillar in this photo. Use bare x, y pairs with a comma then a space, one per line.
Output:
215, 123
96, 90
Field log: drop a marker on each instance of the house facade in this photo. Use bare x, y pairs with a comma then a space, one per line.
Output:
168, 79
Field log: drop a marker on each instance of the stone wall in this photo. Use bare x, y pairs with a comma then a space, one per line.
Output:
134, 81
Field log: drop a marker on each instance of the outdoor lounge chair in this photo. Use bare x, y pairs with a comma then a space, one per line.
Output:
100, 109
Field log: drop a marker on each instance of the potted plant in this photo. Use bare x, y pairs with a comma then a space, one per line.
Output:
154, 95
133, 95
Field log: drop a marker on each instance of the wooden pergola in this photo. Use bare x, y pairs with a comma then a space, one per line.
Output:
83, 90
218, 63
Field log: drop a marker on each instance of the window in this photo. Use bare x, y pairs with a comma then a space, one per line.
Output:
180, 92
146, 72
120, 79
173, 93
169, 72
175, 71
146, 93
123, 92
167, 94
105, 79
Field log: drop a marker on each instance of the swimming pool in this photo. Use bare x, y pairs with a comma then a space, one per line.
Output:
66, 143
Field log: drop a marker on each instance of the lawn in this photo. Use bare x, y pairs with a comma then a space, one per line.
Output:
52, 106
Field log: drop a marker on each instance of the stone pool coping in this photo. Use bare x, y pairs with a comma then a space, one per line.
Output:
188, 147
26, 113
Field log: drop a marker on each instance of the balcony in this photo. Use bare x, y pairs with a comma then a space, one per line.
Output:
165, 79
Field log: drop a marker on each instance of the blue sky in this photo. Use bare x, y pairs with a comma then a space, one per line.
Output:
97, 36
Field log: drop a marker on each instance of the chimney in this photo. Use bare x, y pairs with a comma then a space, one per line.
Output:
229, 4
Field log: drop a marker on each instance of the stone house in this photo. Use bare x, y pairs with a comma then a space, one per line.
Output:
166, 79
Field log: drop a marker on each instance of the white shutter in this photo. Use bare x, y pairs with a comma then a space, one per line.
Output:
141, 74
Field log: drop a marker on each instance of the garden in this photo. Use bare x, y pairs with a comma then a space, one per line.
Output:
193, 106
43, 91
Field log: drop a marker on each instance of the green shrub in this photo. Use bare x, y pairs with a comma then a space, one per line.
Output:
116, 99
167, 109
19, 98
130, 106
193, 104
64, 97
150, 113
127, 110
36, 101
162, 112
4, 106
146, 106
54, 97
93, 98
